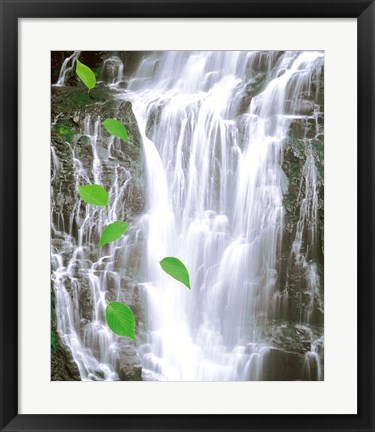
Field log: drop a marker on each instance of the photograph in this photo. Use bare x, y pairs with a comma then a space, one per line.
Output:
187, 216
187, 208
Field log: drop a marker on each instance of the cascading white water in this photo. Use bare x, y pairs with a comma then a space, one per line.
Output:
215, 200
79, 266
112, 72
215, 191
67, 68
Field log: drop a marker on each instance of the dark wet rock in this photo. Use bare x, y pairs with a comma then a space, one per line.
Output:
295, 351
244, 104
252, 88
255, 85
281, 365
304, 107
85, 299
263, 61
153, 121
131, 60
63, 367
111, 70
291, 337
317, 87
304, 127
129, 367
123, 84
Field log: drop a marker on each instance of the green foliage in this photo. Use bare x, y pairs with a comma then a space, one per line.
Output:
53, 343
74, 98
120, 319
175, 268
93, 194
115, 128
65, 132
80, 99
85, 74
113, 232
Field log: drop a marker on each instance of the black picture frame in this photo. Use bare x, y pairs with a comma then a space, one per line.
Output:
11, 11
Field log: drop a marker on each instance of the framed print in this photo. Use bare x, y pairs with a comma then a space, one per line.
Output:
187, 215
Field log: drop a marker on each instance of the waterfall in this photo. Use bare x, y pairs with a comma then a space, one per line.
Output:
215, 200
81, 272
67, 68
216, 128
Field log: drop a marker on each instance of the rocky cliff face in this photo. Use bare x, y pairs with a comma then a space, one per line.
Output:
302, 255
71, 107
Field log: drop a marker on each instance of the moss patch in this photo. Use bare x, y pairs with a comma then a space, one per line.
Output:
64, 130
73, 98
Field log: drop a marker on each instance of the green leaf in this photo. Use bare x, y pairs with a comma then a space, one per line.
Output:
112, 232
120, 319
115, 128
93, 194
175, 268
85, 74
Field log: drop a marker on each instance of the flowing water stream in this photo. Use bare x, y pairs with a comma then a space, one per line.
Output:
215, 190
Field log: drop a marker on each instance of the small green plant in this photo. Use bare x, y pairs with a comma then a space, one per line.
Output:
65, 132
115, 128
86, 75
112, 232
175, 268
